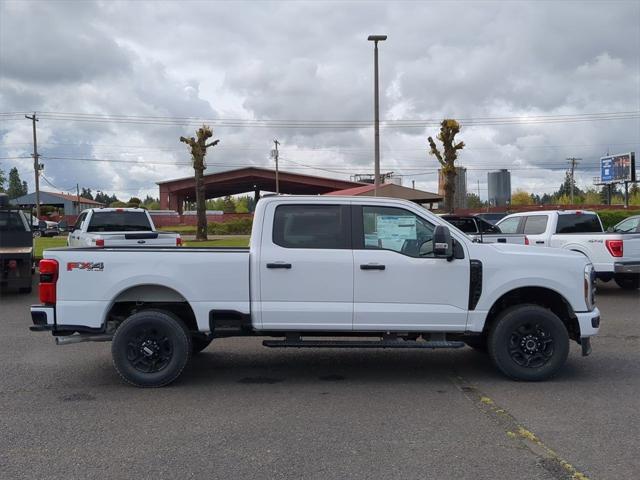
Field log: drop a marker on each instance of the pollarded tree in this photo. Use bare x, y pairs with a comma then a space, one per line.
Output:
198, 148
449, 128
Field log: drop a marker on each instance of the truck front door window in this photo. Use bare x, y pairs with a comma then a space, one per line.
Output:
396, 229
510, 225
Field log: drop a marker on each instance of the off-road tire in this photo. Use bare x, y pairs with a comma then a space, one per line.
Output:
529, 343
156, 331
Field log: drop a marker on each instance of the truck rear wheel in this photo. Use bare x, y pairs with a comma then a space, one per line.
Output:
151, 348
628, 282
528, 342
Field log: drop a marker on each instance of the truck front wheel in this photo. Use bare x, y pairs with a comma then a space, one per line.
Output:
528, 342
151, 348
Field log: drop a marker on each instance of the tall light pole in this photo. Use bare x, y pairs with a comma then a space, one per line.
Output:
376, 107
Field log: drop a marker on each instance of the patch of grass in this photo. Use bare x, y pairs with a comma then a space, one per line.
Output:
222, 242
42, 243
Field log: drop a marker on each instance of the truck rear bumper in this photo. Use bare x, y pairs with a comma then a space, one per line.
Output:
627, 267
43, 318
589, 323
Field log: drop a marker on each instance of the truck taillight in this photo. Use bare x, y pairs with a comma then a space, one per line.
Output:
615, 247
526, 240
100, 242
178, 242
48, 278
12, 264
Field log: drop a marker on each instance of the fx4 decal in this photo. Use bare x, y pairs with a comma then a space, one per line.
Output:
89, 266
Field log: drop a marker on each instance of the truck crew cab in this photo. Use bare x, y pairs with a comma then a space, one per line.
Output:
379, 272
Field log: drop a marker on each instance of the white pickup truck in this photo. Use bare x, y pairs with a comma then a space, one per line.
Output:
377, 272
614, 255
118, 227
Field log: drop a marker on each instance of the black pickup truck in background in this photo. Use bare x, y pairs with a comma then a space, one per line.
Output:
16, 248
482, 231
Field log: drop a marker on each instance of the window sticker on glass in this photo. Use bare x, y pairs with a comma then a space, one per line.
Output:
393, 230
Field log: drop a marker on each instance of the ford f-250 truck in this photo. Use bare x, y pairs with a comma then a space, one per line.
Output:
614, 255
375, 272
118, 227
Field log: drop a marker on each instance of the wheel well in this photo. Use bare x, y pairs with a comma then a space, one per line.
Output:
541, 296
144, 297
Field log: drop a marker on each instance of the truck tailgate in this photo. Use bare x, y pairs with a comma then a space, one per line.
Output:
152, 239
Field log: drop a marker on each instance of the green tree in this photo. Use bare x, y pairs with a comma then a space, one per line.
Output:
86, 193
228, 205
2, 180
16, 187
134, 201
520, 197
198, 150
473, 201
592, 196
449, 128
242, 205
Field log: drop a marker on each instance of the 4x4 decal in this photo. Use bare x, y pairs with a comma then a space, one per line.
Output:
90, 266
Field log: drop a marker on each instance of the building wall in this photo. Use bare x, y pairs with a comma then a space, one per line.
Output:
499, 184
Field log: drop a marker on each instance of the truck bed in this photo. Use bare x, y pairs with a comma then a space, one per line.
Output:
206, 277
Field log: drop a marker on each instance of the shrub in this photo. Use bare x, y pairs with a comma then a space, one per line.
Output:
240, 226
611, 217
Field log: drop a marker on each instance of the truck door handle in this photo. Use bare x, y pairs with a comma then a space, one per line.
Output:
279, 265
372, 266
540, 242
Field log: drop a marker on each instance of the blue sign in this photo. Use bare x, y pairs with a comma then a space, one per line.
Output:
618, 168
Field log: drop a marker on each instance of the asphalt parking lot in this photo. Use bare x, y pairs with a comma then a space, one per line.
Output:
245, 411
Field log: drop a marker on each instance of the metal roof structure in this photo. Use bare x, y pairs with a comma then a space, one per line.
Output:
393, 191
173, 193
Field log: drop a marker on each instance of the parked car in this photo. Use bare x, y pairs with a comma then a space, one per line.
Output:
318, 267
628, 225
492, 218
614, 255
118, 227
482, 231
16, 248
45, 228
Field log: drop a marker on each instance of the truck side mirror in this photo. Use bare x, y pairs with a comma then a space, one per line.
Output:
442, 242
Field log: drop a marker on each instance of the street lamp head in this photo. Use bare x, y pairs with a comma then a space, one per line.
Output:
377, 38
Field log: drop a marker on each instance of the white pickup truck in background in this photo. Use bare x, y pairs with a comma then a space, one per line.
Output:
614, 255
318, 267
119, 227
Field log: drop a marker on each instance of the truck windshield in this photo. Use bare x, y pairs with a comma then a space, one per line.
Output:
578, 223
119, 222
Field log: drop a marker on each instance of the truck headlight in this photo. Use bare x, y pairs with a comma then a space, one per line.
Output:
589, 286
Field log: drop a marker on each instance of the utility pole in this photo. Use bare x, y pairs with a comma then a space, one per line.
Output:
413, 184
376, 106
573, 162
78, 197
274, 155
36, 161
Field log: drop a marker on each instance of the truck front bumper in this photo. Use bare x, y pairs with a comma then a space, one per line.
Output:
589, 323
43, 318
626, 267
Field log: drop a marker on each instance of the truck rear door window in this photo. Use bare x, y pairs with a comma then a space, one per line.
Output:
535, 225
119, 222
312, 226
578, 223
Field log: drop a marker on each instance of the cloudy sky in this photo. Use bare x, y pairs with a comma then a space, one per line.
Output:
523, 78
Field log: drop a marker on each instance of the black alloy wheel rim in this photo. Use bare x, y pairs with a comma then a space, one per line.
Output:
149, 350
530, 345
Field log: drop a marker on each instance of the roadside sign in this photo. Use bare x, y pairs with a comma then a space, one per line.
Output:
618, 168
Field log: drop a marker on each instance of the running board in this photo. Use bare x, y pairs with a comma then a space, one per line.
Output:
362, 344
